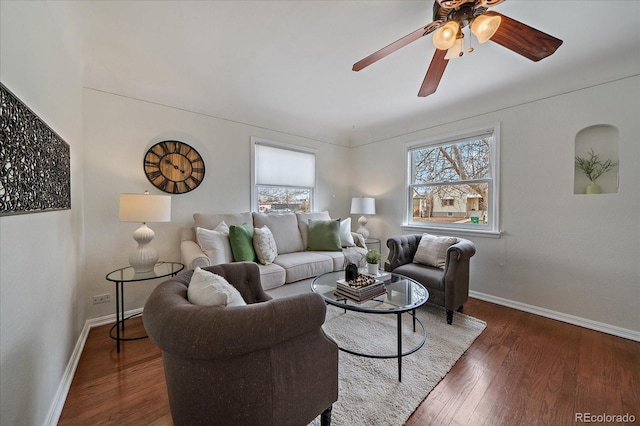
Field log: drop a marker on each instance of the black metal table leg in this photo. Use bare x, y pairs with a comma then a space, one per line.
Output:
118, 317
122, 303
399, 315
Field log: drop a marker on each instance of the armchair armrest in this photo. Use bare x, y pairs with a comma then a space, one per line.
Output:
464, 249
192, 255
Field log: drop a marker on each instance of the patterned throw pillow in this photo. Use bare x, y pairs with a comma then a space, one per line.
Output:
264, 245
432, 250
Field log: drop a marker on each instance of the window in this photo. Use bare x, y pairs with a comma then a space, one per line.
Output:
284, 178
452, 183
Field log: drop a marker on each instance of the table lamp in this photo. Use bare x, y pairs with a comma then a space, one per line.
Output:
362, 206
144, 208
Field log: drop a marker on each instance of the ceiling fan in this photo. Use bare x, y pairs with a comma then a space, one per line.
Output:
449, 18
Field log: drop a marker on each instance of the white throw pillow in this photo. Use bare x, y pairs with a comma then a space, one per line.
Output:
346, 239
215, 244
432, 250
265, 245
209, 289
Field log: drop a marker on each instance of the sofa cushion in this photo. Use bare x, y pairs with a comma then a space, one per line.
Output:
432, 250
428, 276
215, 243
209, 289
303, 264
304, 217
264, 245
337, 257
241, 241
210, 221
284, 228
324, 235
271, 276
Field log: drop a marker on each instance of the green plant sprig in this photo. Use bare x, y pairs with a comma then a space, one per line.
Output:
373, 257
593, 167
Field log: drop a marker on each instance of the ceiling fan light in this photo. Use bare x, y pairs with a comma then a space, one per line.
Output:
457, 50
484, 27
445, 36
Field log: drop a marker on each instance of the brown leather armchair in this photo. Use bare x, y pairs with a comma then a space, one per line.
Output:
448, 287
267, 363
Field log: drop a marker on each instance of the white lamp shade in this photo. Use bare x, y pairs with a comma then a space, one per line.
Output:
445, 36
484, 27
145, 208
363, 205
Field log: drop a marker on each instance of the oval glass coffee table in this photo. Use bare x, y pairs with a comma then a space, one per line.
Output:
402, 295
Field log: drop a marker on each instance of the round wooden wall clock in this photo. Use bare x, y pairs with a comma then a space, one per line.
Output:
174, 167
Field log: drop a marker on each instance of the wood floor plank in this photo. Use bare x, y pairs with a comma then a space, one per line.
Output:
523, 369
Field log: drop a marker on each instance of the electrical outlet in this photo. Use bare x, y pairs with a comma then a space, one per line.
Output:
101, 298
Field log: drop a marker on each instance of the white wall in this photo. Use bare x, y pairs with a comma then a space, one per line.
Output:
40, 254
118, 132
570, 253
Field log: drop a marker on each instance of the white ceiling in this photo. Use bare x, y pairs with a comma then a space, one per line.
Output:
286, 65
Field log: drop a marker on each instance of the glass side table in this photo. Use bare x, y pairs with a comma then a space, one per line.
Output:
373, 244
128, 275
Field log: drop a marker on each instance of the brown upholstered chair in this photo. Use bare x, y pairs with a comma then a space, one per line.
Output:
267, 363
448, 287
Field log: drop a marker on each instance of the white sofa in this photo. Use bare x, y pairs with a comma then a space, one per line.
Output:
290, 232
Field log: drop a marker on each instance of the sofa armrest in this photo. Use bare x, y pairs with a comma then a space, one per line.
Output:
178, 327
192, 255
359, 240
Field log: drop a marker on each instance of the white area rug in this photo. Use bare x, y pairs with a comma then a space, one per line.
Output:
369, 391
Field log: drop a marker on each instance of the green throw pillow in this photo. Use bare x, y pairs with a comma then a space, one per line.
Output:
241, 241
324, 235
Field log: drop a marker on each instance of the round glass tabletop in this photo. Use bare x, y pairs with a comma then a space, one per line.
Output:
402, 294
160, 270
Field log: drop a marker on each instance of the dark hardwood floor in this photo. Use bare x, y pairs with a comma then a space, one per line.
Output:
522, 370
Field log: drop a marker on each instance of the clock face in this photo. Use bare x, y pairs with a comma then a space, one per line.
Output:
174, 167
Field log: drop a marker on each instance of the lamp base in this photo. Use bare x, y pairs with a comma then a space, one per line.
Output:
363, 230
145, 257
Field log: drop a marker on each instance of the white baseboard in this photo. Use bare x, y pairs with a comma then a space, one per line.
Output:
560, 316
65, 384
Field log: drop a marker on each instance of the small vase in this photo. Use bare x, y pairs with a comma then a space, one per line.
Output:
372, 268
593, 188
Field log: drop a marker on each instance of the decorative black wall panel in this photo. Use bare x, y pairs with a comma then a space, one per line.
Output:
36, 162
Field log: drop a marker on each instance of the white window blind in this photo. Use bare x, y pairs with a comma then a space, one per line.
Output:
284, 167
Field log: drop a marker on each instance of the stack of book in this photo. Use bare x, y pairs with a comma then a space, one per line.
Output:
364, 287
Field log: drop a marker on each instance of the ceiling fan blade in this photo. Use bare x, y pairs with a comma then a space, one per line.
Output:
374, 57
524, 40
434, 73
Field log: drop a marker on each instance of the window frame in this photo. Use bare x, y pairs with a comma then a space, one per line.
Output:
279, 145
492, 229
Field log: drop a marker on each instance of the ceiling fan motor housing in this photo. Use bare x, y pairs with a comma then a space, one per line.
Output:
462, 14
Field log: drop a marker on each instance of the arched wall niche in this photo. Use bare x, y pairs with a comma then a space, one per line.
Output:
604, 139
